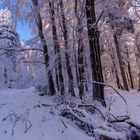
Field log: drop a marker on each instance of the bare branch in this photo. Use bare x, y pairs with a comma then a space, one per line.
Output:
100, 83
33, 62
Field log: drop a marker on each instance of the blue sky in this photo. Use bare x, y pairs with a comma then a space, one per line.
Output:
1, 5
22, 28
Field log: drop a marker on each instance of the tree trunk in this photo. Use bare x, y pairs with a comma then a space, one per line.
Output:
117, 77
44, 44
93, 35
139, 82
67, 56
121, 64
80, 62
129, 69
81, 69
130, 75
115, 70
76, 63
57, 48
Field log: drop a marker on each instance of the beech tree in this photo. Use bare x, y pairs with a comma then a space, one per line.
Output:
93, 35
44, 44
66, 44
59, 74
81, 69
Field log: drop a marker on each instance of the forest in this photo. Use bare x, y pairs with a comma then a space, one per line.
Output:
80, 68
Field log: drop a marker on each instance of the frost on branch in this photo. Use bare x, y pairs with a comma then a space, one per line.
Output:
9, 39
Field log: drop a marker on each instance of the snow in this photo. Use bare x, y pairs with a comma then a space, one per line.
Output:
118, 107
113, 135
24, 110
46, 123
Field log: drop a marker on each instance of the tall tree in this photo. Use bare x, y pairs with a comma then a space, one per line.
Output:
115, 68
56, 47
121, 63
120, 22
79, 13
66, 44
129, 68
44, 44
93, 36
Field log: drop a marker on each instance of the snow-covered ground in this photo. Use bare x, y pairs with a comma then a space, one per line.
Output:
26, 116
118, 107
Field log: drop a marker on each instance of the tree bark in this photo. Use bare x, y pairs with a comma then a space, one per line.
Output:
139, 82
44, 44
81, 69
129, 69
130, 75
57, 48
117, 77
115, 70
67, 56
121, 64
93, 35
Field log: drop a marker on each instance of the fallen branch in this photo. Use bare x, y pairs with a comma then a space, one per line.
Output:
18, 118
86, 106
100, 83
88, 128
119, 119
42, 105
64, 124
133, 124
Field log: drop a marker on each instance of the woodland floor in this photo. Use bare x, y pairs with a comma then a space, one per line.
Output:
26, 116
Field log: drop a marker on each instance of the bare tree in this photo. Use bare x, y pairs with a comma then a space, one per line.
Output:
67, 55
44, 44
120, 23
121, 63
81, 70
93, 36
57, 48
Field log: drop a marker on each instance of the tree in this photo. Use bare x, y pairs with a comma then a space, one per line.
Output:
81, 70
65, 27
58, 64
120, 23
93, 36
9, 40
44, 45
67, 55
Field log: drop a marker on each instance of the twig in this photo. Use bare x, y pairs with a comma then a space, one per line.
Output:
64, 124
33, 62
119, 119
19, 118
134, 124
100, 83
27, 128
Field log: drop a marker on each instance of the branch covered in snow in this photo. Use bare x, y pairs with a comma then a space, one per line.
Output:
101, 83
